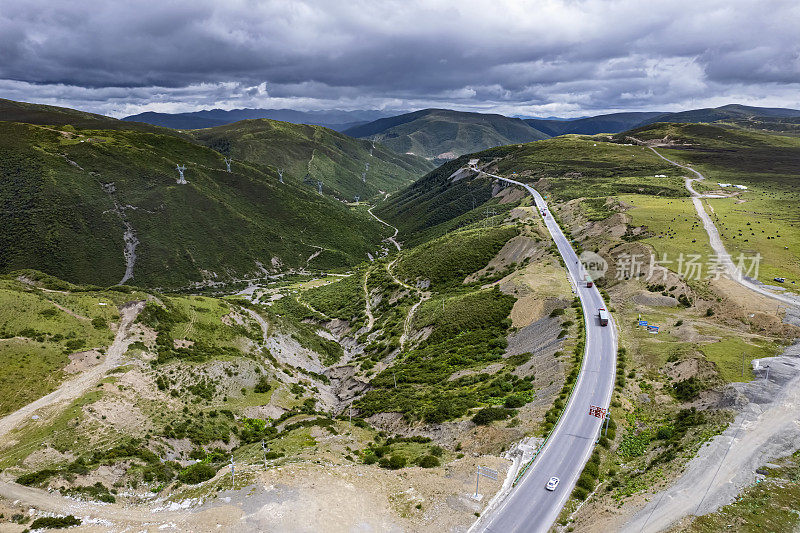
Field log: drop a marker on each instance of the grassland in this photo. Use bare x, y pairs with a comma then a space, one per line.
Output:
38, 332
733, 356
768, 224
672, 225
769, 165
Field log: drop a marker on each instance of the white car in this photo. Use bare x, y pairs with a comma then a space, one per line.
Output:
552, 483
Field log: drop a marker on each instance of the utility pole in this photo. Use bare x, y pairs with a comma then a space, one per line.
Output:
280, 175
228, 161
319, 186
233, 474
608, 417
264, 448
767, 372
395, 379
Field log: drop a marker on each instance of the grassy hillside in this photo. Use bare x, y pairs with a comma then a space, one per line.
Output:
13, 111
765, 217
69, 196
611, 123
570, 167
311, 153
444, 134
723, 113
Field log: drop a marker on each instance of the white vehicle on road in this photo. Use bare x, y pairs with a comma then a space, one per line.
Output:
552, 484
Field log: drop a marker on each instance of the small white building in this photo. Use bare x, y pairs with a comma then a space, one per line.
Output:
473, 162
741, 187
724, 184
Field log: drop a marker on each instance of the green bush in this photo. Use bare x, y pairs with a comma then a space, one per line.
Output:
687, 389
395, 462
429, 461
197, 473
262, 385
513, 402
55, 522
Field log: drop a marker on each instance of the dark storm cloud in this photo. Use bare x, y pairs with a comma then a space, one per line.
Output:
524, 56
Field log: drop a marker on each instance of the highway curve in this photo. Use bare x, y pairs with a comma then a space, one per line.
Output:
529, 507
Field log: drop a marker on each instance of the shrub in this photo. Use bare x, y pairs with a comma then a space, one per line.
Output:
556, 312
262, 385
36, 478
665, 432
514, 401
687, 389
437, 451
429, 461
370, 459
55, 522
395, 462
197, 473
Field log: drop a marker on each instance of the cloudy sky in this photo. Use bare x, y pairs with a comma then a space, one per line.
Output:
536, 58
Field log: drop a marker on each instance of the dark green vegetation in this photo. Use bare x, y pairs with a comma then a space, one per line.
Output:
208, 118
67, 195
55, 522
444, 134
611, 123
435, 204
311, 153
468, 335
449, 259
726, 113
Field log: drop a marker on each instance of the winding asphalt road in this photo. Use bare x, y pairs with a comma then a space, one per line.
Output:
530, 507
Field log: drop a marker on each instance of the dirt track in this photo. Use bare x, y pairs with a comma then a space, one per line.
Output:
74, 388
764, 430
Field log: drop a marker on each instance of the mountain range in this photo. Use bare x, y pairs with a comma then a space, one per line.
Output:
334, 119
101, 204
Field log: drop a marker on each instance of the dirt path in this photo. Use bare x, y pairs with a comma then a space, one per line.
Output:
74, 388
410, 316
767, 428
396, 231
367, 306
147, 516
716, 240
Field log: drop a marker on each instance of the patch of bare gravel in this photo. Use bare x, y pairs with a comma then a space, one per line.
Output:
767, 427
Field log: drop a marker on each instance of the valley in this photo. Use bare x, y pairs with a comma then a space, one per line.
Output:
232, 352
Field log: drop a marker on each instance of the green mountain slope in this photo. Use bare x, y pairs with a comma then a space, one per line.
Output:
444, 134
565, 167
611, 123
730, 112
13, 111
68, 198
347, 167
